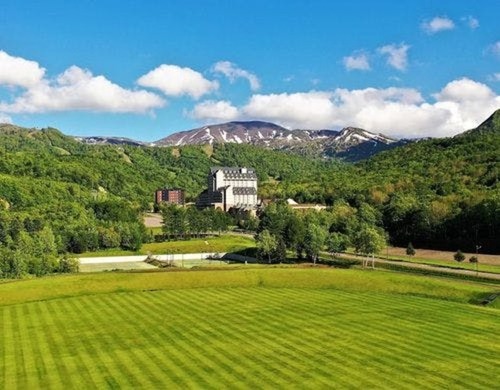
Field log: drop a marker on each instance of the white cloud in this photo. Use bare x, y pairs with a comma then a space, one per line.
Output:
211, 110
17, 71
471, 22
400, 112
298, 110
357, 61
437, 24
495, 77
233, 72
174, 80
5, 118
495, 49
468, 103
464, 90
78, 89
397, 55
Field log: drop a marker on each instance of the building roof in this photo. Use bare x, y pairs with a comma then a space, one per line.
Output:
235, 172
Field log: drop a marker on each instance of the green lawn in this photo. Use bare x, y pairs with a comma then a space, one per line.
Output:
224, 243
248, 328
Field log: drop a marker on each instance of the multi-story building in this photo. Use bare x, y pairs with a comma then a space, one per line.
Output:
230, 188
172, 195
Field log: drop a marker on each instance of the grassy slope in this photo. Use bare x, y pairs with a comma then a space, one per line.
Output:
225, 243
246, 328
352, 280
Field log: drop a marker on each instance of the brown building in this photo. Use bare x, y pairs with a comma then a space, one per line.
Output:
169, 195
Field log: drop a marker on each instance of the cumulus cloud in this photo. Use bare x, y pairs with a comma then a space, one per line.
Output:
298, 110
356, 61
397, 55
78, 89
400, 112
211, 110
437, 24
5, 118
233, 72
16, 71
471, 22
174, 80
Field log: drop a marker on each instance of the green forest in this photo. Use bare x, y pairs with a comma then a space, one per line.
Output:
435, 193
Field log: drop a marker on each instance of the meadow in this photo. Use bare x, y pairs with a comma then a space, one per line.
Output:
248, 327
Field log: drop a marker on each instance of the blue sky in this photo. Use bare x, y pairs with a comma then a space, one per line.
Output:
145, 69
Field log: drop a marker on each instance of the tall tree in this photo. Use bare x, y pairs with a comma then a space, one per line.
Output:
337, 243
369, 240
266, 244
314, 241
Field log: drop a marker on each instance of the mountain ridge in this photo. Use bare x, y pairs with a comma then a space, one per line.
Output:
350, 143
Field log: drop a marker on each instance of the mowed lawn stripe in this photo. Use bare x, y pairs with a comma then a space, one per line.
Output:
104, 368
72, 356
258, 331
213, 366
10, 359
418, 352
233, 343
131, 348
256, 336
55, 346
412, 326
322, 323
142, 346
304, 332
433, 313
199, 348
112, 344
180, 377
119, 374
389, 350
24, 359
33, 329
304, 362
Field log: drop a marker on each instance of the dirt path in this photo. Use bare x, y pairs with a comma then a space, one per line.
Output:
152, 220
431, 254
428, 267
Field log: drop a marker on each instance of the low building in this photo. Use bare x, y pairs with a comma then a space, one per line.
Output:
230, 188
170, 195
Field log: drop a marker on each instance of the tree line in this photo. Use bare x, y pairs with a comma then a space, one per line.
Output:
307, 233
188, 222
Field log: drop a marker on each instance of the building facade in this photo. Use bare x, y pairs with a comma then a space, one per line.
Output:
230, 188
167, 195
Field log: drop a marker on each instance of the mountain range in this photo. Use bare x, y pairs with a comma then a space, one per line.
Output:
350, 143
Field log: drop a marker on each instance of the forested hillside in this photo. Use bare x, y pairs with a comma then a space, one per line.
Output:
436, 193
87, 197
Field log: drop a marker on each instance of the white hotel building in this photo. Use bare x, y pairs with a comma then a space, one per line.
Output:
230, 188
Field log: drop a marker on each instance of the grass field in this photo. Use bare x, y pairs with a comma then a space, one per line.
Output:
241, 328
224, 243
125, 266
